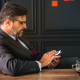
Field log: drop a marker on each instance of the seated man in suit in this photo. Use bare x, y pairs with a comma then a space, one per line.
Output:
16, 55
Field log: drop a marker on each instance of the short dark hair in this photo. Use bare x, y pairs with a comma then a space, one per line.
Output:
11, 10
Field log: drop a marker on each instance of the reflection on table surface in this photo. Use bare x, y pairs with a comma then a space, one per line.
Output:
46, 74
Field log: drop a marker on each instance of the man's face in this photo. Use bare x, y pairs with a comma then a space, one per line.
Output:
18, 26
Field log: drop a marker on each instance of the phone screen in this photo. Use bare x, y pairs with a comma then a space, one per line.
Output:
60, 51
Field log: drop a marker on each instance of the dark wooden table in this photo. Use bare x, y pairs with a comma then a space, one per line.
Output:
46, 74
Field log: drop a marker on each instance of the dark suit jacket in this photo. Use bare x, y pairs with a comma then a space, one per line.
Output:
14, 58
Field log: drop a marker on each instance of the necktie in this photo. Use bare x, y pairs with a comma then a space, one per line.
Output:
33, 51
17, 40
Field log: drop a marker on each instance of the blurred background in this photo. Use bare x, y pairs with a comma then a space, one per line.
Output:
52, 24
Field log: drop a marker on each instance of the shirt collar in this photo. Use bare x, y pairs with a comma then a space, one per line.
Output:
12, 36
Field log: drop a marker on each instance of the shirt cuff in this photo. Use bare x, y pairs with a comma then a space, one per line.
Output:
39, 65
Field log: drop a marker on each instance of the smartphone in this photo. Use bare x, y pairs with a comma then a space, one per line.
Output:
60, 51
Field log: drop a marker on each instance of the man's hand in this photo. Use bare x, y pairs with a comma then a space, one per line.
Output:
47, 58
54, 63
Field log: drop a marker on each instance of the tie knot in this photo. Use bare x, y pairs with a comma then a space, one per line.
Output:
17, 40
15, 37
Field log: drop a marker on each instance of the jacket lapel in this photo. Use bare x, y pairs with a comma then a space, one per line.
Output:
14, 42
23, 39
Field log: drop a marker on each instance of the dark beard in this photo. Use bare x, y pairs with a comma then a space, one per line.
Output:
14, 33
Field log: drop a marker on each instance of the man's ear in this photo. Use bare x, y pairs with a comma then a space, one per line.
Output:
8, 22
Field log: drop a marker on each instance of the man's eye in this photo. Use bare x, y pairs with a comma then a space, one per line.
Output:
21, 22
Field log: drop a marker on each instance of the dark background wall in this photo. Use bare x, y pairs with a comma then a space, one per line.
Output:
52, 27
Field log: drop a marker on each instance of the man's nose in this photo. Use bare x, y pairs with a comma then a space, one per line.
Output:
24, 26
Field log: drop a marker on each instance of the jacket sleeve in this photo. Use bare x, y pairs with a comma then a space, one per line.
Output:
14, 67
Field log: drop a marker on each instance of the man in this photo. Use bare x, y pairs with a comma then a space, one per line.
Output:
16, 56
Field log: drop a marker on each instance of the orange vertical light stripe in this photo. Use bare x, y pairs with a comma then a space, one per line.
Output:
66, 0
54, 3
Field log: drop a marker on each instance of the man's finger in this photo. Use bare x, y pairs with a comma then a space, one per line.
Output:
56, 60
56, 57
52, 52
